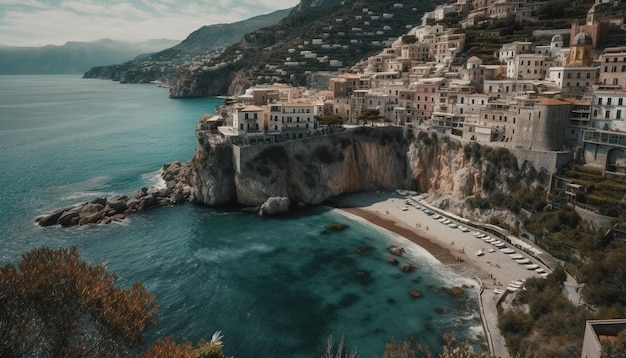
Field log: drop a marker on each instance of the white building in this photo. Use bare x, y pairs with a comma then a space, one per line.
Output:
299, 115
608, 110
574, 80
248, 119
510, 50
527, 66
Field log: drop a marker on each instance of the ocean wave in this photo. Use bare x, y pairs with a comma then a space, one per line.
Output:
212, 256
154, 179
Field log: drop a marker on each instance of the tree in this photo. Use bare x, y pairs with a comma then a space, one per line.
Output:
53, 304
330, 120
371, 115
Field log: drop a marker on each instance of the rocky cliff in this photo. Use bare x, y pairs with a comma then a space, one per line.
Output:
270, 177
312, 170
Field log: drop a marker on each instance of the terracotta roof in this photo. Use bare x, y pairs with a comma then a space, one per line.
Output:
251, 109
551, 102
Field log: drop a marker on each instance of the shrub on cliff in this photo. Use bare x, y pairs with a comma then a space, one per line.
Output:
54, 304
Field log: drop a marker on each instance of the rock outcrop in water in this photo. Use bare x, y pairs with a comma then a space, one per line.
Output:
106, 210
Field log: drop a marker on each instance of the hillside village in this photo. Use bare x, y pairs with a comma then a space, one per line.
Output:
559, 98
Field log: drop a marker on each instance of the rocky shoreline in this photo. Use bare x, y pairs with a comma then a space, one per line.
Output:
177, 190
114, 209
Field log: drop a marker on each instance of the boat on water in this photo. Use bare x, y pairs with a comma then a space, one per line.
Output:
523, 261
480, 252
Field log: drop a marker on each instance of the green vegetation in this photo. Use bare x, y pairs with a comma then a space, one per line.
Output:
488, 35
602, 192
545, 323
371, 116
54, 304
411, 348
330, 120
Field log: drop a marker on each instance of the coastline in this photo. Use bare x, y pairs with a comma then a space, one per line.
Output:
452, 247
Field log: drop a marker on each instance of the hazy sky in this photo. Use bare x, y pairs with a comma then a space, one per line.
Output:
55, 22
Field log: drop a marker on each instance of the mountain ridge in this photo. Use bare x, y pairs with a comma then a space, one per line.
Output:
72, 57
203, 42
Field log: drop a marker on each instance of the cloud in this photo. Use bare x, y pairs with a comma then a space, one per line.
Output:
39, 22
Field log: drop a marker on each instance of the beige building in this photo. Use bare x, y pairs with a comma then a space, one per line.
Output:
248, 119
613, 67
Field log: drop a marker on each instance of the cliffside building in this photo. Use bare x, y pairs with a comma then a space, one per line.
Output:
613, 67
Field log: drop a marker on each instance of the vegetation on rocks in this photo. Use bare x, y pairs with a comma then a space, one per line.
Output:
544, 323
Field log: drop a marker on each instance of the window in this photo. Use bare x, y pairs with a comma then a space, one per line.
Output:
599, 100
246, 116
607, 114
588, 75
609, 100
620, 101
618, 115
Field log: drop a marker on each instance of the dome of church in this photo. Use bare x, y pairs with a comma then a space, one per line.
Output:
557, 38
582, 38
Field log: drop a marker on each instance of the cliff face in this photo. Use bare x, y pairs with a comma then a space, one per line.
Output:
211, 173
312, 170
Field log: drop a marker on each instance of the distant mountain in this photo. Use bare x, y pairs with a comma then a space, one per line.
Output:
318, 35
73, 57
204, 42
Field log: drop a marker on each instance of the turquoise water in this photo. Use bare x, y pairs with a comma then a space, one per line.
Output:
276, 287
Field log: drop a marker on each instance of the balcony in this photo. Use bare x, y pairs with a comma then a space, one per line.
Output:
604, 137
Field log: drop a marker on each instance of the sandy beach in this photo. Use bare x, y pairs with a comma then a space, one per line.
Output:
450, 245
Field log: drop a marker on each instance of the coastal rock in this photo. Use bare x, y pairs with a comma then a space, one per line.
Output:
455, 291
51, 219
336, 227
69, 218
175, 190
392, 260
407, 267
275, 205
398, 251
415, 293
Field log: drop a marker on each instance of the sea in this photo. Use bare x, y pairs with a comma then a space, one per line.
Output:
274, 286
